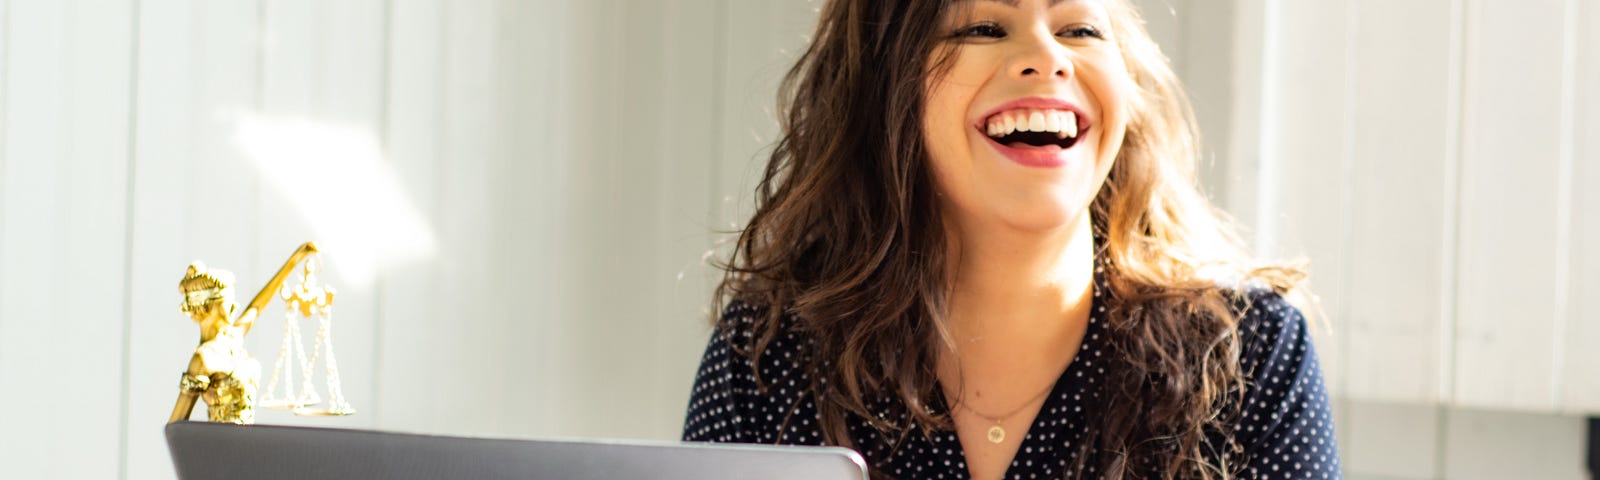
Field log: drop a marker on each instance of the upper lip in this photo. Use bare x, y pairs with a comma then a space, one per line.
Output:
1041, 103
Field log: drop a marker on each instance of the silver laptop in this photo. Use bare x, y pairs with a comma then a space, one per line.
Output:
203, 450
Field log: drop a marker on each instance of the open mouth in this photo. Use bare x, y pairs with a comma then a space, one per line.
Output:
1022, 128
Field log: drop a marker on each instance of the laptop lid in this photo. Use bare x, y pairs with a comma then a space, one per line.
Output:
202, 450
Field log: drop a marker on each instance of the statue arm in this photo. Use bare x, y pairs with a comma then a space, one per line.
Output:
194, 382
253, 309
185, 406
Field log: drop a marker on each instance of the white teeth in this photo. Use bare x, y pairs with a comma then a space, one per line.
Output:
1063, 123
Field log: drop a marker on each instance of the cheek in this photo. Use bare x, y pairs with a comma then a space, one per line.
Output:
1114, 93
949, 98
945, 105
946, 146
945, 129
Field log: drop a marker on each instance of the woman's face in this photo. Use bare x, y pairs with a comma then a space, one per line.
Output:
1024, 126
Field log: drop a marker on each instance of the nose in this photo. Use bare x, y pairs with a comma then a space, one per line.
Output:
1043, 59
1058, 72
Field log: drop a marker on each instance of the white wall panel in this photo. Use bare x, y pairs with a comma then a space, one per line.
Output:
1253, 42
1207, 59
630, 278
1193, 35
161, 338
4, 80
289, 55
1581, 372
63, 244
757, 49
602, 270
321, 97
411, 335
1402, 206
672, 86
467, 355
1166, 24
1303, 189
616, 178
350, 95
541, 252
195, 194
683, 222
1507, 294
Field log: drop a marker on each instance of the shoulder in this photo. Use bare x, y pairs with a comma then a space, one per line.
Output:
1285, 413
737, 322
741, 312
744, 326
1274, 335
753, 381
1266, 317
755, 337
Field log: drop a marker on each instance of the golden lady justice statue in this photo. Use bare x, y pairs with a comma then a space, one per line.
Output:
221, 372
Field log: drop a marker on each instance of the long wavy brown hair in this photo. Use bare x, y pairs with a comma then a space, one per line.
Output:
847, 243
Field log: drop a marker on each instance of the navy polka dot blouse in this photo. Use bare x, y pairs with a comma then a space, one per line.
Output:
1286, 428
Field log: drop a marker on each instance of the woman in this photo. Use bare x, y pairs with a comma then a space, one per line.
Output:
979, 251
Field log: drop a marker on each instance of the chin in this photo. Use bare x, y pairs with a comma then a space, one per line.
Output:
1046, 216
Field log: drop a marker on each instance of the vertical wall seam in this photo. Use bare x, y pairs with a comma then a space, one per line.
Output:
1352, 30
1271, 150
378, 286
441, 103
719, 72
260, 103
5, 87
1246, 73
618, 65
1182, 26
1340, 327
1456, 112
441, 130
128, 232
1564, 210
1219, 148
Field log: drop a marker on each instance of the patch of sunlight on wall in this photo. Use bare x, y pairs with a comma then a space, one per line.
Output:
336, 178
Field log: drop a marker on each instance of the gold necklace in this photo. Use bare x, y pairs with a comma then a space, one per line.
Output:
997, 433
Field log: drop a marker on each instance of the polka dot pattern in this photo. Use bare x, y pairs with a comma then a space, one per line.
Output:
1286, 427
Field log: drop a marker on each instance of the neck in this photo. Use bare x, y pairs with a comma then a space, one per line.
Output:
1008, 282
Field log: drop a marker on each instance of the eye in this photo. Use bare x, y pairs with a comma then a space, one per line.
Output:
981, 30
1082, 31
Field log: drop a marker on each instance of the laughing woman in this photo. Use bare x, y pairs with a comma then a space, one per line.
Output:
979, 251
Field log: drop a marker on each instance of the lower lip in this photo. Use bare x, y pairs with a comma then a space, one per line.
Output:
1049, 156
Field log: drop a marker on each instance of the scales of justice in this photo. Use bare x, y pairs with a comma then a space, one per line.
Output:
223, 375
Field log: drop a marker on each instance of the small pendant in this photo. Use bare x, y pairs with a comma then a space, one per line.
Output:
997, 434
